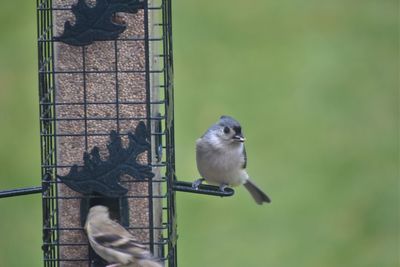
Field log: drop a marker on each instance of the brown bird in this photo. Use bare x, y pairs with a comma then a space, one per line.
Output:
114, 243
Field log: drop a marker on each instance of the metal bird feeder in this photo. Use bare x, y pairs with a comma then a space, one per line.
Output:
105, 79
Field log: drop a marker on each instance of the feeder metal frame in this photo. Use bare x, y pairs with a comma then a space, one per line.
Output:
160, 129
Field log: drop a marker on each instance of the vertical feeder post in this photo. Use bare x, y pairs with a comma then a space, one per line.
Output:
106, 107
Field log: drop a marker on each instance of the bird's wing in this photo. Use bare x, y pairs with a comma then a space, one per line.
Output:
244, 157
123, 244
116, 237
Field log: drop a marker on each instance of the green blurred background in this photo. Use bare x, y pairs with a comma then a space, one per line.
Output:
315, 85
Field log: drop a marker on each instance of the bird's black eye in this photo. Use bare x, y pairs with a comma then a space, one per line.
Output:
226, 130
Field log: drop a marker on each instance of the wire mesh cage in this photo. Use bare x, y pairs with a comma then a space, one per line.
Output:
106, 114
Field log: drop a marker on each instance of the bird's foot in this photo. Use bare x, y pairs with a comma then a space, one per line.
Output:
197, 183
222, 187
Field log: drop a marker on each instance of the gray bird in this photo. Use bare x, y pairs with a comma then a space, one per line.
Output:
221, 158
114, 243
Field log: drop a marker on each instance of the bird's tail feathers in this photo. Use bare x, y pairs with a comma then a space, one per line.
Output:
259, 196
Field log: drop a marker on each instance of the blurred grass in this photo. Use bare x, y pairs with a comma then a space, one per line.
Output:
315, 85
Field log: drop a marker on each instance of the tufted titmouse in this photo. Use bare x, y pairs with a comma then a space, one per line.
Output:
221, 158
114, 243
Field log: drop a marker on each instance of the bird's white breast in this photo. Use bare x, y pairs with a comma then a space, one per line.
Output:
220, 163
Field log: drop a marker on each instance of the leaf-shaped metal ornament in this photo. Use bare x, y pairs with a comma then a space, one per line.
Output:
95, 23
102, 177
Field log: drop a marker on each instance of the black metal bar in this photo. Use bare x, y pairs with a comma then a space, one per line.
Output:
85, 106
160, 102
100, 119
149, 122
203, 189
117, 104
20, 191
98, 71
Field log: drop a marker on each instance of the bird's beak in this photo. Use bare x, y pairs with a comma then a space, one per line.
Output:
239, 138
